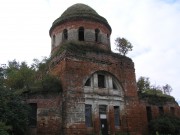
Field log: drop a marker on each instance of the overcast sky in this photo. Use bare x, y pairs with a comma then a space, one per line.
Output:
152, 26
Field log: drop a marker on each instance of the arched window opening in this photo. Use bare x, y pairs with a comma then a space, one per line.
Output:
65, 34
101, 81
81, 34
96, 35
88, 82
108, 37
53, 40
114, 86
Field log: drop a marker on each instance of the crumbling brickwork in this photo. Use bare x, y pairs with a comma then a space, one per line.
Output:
49, 114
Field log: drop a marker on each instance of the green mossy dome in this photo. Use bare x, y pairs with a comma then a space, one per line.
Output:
80, 11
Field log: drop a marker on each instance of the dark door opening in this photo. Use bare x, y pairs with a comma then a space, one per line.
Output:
103, 120
104, 127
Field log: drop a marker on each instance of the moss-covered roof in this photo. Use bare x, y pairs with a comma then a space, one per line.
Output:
79, 11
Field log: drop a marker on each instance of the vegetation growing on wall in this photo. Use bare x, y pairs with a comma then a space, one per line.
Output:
152, 94
35, 78
123, 45
81, 48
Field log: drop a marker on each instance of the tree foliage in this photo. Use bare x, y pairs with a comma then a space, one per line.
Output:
143, 84
13, 111
4, 128
165, 125
19, 76
123, 45
15, 79
153, 94
167, 89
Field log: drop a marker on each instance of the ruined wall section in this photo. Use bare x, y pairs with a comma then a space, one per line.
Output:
49, 113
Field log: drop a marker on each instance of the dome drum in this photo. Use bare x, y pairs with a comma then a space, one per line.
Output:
93, 32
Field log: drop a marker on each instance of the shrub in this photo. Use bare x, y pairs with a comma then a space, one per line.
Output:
165, 125
4, 129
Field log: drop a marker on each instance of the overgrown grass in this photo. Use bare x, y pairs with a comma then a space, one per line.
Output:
156, 97
82, 48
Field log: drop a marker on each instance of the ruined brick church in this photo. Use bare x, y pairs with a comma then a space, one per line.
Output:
99, 91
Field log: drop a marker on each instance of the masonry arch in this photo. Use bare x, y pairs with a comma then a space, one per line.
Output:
103, 80
65, 34
81, 33
97, 35
104, 94
53, 41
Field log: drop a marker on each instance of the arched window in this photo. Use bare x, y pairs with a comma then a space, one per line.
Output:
101, 81
104, 80
114, 85
88, 82
65, 34
81, 34
96, 35
53, 41
108, 37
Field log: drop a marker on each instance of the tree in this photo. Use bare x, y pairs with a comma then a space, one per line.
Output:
1, 77
143, 84
167, 89
16, 79
123, 45
13, 112
19, 76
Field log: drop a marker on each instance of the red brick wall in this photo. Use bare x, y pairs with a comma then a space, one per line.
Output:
78, 23
77, 69
49, 120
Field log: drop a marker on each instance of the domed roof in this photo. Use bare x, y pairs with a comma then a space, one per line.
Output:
80, 11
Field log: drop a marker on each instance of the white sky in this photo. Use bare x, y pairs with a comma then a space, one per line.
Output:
152, 26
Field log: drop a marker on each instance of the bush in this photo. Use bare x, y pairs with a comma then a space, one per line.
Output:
4, 129
13, 112
51, 83
3, 132
165, 125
